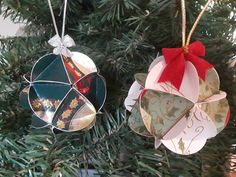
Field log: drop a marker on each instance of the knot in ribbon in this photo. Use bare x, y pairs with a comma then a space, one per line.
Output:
62, 44
175, 59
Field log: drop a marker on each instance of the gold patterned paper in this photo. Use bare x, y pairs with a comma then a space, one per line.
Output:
66, 114
83, 118
161, 111
136, 122
140, 78
90, 125
210, 86
60, 124
74, 103
217, 111
36, 104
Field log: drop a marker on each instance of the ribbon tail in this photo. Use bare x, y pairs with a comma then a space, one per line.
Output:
197, 48
201, 65
174, 72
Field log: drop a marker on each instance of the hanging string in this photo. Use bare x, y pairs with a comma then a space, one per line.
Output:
54, 20
196, 22
64, 20
183, 9
53, 17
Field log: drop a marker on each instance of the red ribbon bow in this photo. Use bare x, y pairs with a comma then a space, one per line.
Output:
175, 59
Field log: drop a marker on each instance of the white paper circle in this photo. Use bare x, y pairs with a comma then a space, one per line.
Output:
133, 95
188, 148
155, 62
83, 63
188, 89
194, 136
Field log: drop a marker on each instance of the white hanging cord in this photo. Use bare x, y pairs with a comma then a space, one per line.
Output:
54, 20
63, 42
53, 17
64, 20
183, 9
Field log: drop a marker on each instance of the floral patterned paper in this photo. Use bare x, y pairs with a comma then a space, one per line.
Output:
183, 119
65, 92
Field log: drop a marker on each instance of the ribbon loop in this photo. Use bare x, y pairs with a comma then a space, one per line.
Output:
61, 45
175, 59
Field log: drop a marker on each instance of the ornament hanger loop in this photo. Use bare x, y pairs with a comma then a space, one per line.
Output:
61, 43
185, 42
183, 22
54, 20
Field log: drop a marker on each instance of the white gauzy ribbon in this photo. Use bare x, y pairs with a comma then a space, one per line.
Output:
62, 44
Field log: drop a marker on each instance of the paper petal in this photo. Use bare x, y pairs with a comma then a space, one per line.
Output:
136, 122
24, 98
190, 78
162, 111
93, 87
179, 146
133, 95
215, 97
44, 99
210, 86
49, 68
217, 111
83, 63
155, 62
157, 143
75, 113
140, 78
38, 123
78, 66
90, 125
194, 136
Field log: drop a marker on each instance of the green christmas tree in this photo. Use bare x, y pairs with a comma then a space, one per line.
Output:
123, 37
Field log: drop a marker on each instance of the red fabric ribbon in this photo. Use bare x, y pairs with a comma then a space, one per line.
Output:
175, 59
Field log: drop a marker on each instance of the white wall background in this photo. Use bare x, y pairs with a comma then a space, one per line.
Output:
8, 28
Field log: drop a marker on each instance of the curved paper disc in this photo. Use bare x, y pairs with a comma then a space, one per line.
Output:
49, 68
155, 62
140, 78
93, 87
179, 146
188, 89
38, 123
44, 99
75, 113
84, 63
157, 143
133, 95
216, 97
24, 102
135, 122
194, 136
91, 125
162, 111
217, 111
210, 86
78, 66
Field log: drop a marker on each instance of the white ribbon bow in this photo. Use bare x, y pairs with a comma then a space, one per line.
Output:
62, 44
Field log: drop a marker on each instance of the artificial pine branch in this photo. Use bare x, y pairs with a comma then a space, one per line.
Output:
122, 37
